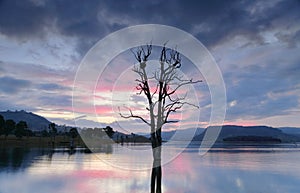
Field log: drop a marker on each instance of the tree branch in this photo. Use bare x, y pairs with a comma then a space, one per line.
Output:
133, 116
182, 84
168, 81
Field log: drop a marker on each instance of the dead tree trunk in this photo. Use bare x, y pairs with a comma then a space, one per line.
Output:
156, 174
161, 101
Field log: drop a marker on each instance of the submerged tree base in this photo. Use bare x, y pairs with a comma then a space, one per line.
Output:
156, 174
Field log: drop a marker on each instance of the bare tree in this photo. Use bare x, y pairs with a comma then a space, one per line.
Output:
162, 100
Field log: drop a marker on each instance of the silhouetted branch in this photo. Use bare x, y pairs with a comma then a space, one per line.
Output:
182, 84
133, 116
162, 100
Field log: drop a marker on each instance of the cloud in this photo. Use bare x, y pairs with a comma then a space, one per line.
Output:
56, 100
52, 87
19, 19
35, 87
256, 44
11, 104
248, 19
2, 70
10, 85
37, 72
261, 107
212, 22
290, 38
260, 93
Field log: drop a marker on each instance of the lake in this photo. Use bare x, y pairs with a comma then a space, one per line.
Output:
119, 169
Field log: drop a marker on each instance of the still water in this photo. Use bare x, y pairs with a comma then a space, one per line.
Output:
223, 170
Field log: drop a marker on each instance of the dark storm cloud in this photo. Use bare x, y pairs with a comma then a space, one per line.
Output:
10, 85
26, 20
211, 21
23, 19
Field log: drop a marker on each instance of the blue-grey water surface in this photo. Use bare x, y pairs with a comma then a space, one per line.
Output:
222, 170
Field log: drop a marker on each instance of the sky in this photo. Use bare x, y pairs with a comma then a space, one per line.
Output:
256, 45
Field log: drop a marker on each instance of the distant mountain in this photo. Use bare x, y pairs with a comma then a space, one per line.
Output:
34, 121
234, 131
119, 137
178, 135
290, 130
182, 135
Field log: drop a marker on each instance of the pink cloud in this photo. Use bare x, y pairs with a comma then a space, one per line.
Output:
99, 109
103, 109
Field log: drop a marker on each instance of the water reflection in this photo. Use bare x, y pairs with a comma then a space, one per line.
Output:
14, 158
29, 170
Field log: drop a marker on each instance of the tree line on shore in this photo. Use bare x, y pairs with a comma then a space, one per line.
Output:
56, 135
21, 129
